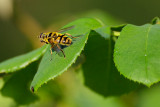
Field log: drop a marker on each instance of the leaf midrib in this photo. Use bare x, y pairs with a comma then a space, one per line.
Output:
146, 58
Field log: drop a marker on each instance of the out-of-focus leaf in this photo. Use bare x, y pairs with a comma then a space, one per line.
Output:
137, 53
99, 71
52, 90
17, 86
78, 95
104, 17
21, 61
5, 101
149, 97
50, 69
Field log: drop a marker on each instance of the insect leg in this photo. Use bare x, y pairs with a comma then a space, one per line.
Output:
51, 51
61, 50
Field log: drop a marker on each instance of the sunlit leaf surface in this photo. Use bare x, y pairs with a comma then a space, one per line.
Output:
137, 53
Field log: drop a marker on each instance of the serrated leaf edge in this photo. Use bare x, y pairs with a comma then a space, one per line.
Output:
148, 84
23, 65
69, 65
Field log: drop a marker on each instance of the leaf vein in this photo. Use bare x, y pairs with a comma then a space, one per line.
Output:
146, 59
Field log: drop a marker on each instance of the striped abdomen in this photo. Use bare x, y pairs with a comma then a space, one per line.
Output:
60, 38
63, 40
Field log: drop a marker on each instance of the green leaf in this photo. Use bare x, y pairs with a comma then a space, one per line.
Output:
16, 86
99, 71
137, 53
21, 61
50, 69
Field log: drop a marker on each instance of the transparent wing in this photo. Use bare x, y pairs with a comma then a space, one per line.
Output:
65, 29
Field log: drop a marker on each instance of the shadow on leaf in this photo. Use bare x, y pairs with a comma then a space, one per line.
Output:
100, 73
17, 86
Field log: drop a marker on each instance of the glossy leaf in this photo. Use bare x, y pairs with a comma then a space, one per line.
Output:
137, 53
50, 69
21, 61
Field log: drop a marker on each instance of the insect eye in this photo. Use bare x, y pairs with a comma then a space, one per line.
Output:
40, 36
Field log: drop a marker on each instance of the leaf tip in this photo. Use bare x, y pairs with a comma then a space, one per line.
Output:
149, 84
32, 88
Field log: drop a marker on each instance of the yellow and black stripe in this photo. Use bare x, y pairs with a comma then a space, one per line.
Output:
53, 34
59, 38
63, 40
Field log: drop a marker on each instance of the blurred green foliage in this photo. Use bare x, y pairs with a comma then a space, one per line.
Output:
17, 87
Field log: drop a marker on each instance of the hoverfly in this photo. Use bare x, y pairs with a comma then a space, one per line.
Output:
57, 39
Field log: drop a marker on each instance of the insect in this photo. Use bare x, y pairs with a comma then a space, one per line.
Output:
57, 39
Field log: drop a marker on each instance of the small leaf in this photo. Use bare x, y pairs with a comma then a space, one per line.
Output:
51, 69
137, 53
22, 61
